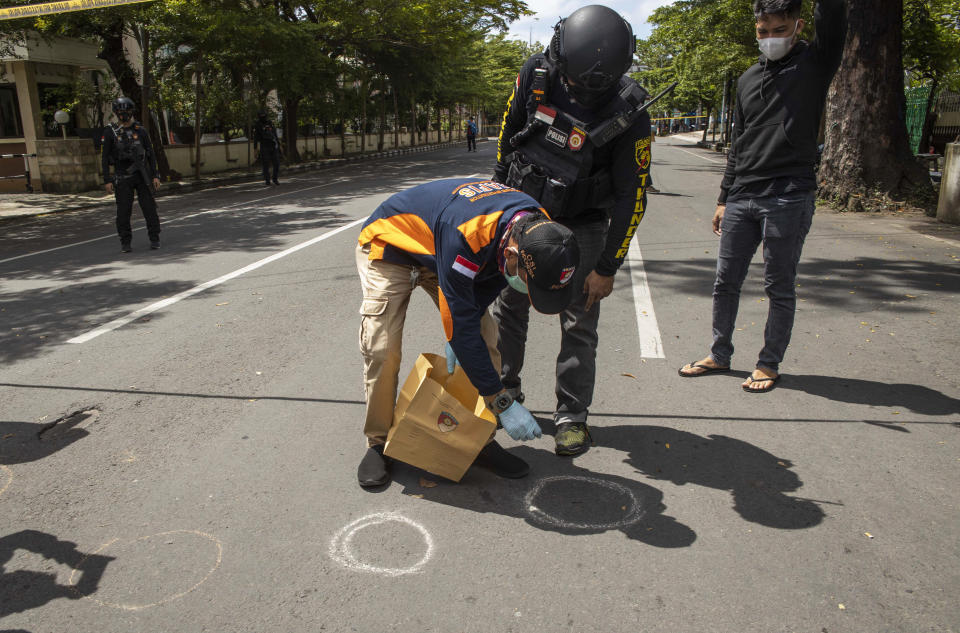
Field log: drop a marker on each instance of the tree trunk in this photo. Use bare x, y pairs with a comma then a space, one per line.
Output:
396, 118
439, 131
383, 116
414, 132
290, 107
111, 51
198, 131
363, 115
929, 120
867, 148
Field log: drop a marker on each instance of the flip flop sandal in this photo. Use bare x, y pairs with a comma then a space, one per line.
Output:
773, 383
709, 370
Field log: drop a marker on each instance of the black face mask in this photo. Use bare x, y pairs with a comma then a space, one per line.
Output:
124, 115
585, 97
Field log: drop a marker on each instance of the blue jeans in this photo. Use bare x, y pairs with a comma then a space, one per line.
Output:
781, 223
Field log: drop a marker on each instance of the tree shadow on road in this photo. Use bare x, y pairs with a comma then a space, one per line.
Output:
25, 589
558, 496
917, 398
22, 442
757, 480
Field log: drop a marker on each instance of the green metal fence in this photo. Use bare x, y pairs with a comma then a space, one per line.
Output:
916, 115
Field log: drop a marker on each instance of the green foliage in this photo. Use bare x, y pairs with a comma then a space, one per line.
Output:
328, 60
931, 42
698, 43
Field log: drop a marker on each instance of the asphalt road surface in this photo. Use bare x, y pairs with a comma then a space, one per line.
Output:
180, 430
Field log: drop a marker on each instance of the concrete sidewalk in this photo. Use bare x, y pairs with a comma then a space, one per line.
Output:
16, 205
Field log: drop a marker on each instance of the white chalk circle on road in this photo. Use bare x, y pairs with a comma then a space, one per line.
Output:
341, 547
633, 512
167, 565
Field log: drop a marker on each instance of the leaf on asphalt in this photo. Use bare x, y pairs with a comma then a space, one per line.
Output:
259, 373
426, 483
225, 303
667, 444
781, 464
624, 508
910, 296
8, 436
629, 376
868, 535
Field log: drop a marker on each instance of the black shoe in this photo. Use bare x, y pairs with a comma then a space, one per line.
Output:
276, 182
125, 247
154, 244
496, 459
572, 438
374, 469
267, 184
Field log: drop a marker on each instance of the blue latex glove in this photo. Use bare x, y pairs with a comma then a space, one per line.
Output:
519, 423
451, 358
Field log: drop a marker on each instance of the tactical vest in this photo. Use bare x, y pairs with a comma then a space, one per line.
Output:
130, 154
554, 156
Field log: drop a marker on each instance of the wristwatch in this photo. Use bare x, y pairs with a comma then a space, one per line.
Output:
501, 403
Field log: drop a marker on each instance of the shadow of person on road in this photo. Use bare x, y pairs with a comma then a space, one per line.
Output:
22, 442
917, 398
557, 496
757, 479
24, 589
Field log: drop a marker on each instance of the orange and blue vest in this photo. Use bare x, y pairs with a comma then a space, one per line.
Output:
454, 228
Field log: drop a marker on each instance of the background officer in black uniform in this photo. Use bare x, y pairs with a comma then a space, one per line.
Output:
127, 147
265, 137
574, 139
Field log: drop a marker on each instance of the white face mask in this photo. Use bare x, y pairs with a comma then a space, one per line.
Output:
775, 48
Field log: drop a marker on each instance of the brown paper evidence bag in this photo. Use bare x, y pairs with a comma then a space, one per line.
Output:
440, 423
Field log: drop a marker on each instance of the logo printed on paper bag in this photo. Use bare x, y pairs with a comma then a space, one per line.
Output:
446, 422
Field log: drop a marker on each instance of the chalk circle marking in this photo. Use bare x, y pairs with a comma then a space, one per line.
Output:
341, 547
634, 511
9, 478
177, 596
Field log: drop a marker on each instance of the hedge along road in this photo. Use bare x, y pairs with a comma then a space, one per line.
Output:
234, 413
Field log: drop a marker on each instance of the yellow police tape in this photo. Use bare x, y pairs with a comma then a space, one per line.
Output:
677, 118
33, 10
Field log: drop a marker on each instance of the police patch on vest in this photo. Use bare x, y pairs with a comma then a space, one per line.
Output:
642, 152
556, 137
575, 142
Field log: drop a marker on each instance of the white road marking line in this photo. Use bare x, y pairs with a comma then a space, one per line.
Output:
173, 221
159, 305
680, 149
651, 345
341, 547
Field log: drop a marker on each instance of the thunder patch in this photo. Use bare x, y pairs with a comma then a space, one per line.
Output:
641, 152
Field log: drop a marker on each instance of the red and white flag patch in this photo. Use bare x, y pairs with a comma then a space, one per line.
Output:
465, 267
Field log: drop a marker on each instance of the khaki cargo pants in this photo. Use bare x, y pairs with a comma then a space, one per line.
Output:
386, 294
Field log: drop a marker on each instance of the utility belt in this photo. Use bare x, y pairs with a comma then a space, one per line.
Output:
561, 196
125, 174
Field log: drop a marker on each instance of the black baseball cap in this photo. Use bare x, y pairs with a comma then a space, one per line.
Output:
550, 254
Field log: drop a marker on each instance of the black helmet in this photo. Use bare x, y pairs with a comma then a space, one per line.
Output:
123, 104
592, 48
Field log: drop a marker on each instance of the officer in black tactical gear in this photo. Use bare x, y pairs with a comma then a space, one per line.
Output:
127, 147
265, 138
576, 139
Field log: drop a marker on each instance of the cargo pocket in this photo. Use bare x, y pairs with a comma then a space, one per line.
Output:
373, 326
